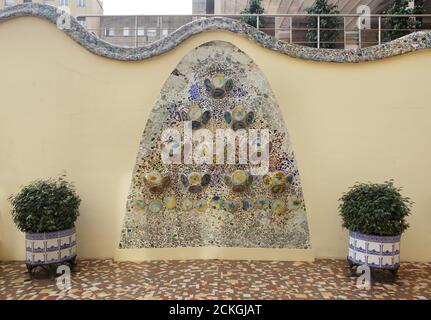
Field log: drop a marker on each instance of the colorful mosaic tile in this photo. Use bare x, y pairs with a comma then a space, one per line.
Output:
215, 89
216, 279
413, 42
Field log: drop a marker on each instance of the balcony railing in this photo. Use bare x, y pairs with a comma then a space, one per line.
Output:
314, 30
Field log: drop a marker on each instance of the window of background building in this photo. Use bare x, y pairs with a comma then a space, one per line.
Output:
210, 6
151, 32
109, 32
64, 3
8, 3
126, 32
81, 21
165, 32
81, 3
141, 32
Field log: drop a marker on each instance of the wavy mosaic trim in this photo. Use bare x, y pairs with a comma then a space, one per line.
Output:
410, 43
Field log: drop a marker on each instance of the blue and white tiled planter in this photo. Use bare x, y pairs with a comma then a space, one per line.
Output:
50, 248
379, 252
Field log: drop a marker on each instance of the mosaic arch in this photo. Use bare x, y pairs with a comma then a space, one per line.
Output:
193, 204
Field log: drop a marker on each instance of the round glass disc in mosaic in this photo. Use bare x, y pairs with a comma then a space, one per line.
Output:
238, 113
140, 204
239, 177
218, 81
231, 205
263, 204
195, 178
195, 112
155, 205
278, 206
216, 86
154, 178
201, 205
247, 204
217, 203
170, 202
187, 205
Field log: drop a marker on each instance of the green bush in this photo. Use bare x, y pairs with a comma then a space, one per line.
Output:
400, 26
375, 209
329, 26
46, 206
254, 7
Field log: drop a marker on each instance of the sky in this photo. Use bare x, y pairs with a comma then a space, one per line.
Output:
115, 7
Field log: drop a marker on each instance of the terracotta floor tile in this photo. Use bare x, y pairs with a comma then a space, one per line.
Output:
216, 279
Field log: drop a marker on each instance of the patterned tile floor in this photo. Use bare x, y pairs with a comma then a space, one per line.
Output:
215, 279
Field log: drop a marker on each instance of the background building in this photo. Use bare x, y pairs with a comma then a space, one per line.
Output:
78, 8
203, 6
134, 31
287, 6
294, 30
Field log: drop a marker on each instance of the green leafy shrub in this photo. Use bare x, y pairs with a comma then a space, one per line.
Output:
328, 25
254, 7
400, 26
375, 209
46, 206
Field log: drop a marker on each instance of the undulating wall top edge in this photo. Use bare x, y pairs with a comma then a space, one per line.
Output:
412, 42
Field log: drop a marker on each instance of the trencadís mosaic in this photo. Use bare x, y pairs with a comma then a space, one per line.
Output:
216, 86
410, 43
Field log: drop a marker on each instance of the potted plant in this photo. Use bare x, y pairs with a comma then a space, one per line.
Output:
46, 210
375, 215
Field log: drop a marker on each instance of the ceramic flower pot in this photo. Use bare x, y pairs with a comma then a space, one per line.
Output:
378, 252
50, 248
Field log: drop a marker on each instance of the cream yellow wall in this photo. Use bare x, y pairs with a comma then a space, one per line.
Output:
62, 107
